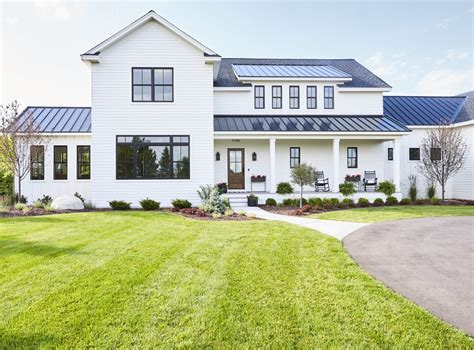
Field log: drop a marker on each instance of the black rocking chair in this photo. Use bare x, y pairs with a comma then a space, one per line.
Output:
321, 182
370, 180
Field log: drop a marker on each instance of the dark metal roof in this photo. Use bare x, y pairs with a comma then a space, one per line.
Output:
58, 119
287, 71
361, 76
423, 110
467, 111
307, 123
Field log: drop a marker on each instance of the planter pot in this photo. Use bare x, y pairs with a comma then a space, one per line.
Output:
252, 201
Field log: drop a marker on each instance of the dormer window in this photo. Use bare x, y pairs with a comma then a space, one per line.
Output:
294, 97
152, 85
329, 97
259, 97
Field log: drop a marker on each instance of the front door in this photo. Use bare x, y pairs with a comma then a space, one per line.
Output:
235, 172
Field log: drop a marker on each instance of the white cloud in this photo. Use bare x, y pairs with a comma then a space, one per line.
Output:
454, 56
58, 9
445, 82
386, 66
12, 20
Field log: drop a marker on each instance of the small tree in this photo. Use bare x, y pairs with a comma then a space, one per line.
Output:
443, 153
302, 175
17, 135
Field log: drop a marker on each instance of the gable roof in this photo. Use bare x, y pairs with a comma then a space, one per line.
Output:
423, 110
467, 111
93, 53
361, 76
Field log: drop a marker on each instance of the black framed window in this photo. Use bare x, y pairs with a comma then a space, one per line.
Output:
294, 97
329, 97
311, 97
153, 157
276, 97
83, 162
152, 84
414, 154
37, 162
295, 154
435, 153
259, 97
390, 153
60, 163
352, 157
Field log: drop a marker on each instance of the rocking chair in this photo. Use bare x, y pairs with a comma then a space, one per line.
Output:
321, 182
370, 180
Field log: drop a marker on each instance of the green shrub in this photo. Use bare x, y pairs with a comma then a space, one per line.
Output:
413, 190
21, 199
405, 201
363, 202
215, 203
315, 202
88, 205
435, 201
348, 201
431, 190
181, 203
119, 205
271, 201
378, 202
284, 188
149, 204
294, 202
21, 206
334, 201
391, 200
38, 204
347, 188
46, 199
387, 188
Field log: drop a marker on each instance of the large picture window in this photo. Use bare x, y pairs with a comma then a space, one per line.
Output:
352, 157
152, 84
60, 163
83, 162
153, 157
328, 97
295, 157
294, 97
37, 163
311, 97
276, 97
259, 97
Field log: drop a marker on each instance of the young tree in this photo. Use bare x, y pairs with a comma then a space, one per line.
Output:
443, 153
302, 175
17, 135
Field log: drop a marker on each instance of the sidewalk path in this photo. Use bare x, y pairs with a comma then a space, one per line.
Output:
336, 229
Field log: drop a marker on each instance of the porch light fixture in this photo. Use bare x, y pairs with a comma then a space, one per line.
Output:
218, 156
254, 156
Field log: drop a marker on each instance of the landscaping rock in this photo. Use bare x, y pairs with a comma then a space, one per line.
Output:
67, 202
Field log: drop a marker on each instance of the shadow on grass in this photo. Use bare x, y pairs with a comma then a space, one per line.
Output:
28, 341
10, 245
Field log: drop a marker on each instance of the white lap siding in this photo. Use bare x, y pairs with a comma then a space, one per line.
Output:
35, 189
463, 182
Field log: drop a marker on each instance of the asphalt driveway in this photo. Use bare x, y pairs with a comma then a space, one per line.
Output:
430, 261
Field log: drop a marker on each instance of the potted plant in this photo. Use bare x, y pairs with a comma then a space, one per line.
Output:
352, 178
252, 200
258, 178
222, 187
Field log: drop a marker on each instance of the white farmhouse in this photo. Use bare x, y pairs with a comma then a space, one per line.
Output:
169, 114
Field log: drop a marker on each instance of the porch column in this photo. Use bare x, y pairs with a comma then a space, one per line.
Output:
272, 166
396, 164
335, 165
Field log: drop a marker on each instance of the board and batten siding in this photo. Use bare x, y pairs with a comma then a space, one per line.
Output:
345, 103
463, 181
35, 189
113, 113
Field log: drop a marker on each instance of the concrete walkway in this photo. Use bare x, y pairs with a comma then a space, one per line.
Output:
336, 229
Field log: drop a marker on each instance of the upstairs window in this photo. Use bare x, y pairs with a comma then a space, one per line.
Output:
60, 163
414, 154
328, 97
152, 85
294, 157
259, 97
294, 97
37, 162
352, 157
276, 97
83, 162
311, 97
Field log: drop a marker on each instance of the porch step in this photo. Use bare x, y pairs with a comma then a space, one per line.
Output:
238, 201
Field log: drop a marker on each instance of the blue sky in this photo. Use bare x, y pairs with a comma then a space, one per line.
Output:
420, 48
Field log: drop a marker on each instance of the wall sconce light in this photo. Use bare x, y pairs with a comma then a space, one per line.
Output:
218, 156
254, 156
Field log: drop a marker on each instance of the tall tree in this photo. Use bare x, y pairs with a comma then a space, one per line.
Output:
302, 175
443, 153
17, 135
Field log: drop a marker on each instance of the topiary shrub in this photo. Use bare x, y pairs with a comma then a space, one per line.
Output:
387, 188
435, 201
378, 202
391, 201
181, 203
334, 201
347, 188
363, 202
284, 188
348, 201
119, 205
315, 202
405, 201
271, 201
149, 204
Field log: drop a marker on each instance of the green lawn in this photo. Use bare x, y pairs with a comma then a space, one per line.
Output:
378, 214
141, 279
